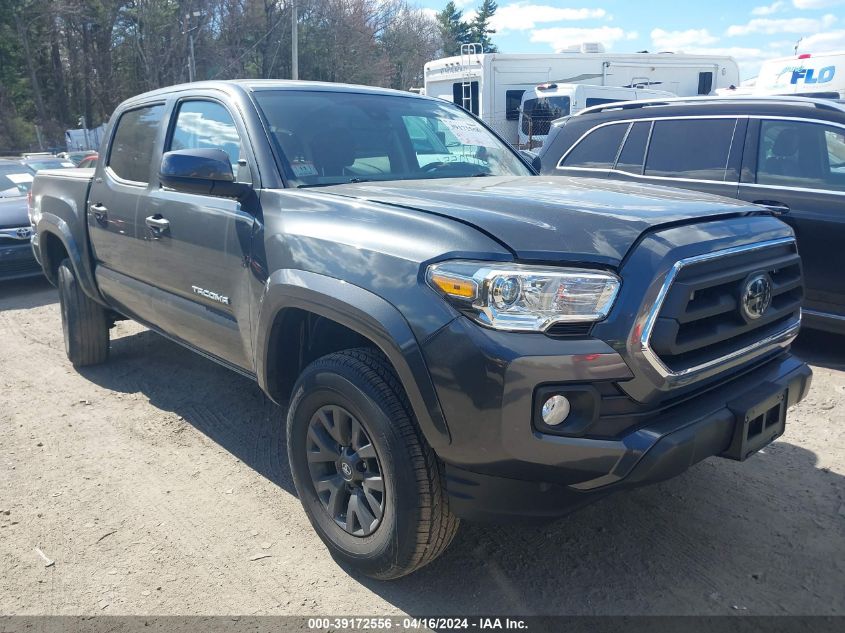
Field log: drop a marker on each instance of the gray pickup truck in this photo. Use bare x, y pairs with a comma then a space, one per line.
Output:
453, 335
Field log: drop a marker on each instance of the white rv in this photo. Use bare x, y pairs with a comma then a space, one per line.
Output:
808, 75
544, 103
491, 85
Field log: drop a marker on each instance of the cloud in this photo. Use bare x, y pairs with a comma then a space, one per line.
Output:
561, 37
768, 9
816, 4
769, 26
823, 42
680, 40
522, 16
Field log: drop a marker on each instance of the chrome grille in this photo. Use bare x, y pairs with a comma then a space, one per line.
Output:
699, 318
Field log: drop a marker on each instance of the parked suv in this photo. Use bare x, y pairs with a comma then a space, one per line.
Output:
785, 153
453, 338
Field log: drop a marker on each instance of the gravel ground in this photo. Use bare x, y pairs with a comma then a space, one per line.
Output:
157, 484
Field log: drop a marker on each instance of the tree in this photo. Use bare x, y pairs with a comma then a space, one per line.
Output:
453, 30
480, 30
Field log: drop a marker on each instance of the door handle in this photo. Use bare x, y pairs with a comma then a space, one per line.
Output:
157, 223
100, 212
778, 208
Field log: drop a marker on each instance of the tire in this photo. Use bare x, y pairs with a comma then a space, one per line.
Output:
416, 524
84, 322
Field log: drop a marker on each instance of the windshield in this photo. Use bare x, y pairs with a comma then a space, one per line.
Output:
328, 138
538, 114
15, 180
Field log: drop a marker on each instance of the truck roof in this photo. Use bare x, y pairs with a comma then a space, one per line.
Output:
231, 86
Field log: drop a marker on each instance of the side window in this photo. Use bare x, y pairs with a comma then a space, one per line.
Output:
705, 83
131, 152
598, 150
208, 125
594, 101
631, 157
512, 100
691, 148
801, 154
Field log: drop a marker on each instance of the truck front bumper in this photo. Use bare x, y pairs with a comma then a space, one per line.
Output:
17, 261
500, 466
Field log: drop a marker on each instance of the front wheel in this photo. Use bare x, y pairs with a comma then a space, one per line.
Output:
370, 485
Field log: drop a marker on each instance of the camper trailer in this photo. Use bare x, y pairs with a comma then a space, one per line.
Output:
544, 103
491, 85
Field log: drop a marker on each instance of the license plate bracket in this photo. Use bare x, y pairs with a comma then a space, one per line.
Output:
760, 419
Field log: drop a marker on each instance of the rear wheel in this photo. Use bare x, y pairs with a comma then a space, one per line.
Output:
85, 323
370, 485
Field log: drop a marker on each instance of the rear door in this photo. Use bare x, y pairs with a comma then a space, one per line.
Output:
199, 260
121, 183
797, 168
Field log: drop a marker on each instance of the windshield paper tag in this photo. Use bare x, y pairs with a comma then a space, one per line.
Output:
301, 169
19, 178
467, 132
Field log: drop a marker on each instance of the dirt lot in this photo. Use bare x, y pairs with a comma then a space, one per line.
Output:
157, 484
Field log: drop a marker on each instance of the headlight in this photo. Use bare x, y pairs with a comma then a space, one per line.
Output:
524, 298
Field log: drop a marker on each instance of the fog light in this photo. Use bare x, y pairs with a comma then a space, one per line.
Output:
555, 410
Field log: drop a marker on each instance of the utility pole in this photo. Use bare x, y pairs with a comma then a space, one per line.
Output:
294, 42
192, 60
84, 124
800, 39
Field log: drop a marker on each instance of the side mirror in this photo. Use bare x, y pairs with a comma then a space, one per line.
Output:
203, 171
532, 158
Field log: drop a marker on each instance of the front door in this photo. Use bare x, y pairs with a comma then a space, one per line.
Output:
199, 245
797, 168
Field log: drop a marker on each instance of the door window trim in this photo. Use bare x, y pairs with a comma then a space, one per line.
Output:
111, 173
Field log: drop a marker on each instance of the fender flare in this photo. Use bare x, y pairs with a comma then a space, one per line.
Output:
365, 313
52, 224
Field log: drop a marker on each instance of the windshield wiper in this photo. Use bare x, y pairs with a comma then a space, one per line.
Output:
345, 182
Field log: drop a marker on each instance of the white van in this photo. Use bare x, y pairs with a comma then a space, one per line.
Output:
544, 103
491, 85
807, 75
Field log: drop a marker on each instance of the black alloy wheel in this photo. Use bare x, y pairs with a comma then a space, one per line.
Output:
345, 470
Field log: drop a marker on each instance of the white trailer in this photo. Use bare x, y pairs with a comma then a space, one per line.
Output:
491, 85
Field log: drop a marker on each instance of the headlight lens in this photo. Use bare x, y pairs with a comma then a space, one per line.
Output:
524, 298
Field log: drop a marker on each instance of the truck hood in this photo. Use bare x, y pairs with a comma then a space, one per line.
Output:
13, 212
551, 218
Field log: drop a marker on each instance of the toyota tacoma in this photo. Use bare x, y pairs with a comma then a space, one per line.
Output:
454, 336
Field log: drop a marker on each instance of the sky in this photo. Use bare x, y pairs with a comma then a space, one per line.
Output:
750, 31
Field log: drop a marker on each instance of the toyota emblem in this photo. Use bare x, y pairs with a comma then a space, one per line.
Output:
756, 296
23, 233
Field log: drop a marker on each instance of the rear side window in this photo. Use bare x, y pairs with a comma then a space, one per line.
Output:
631, 157
594, 101
513, 98
698, 149
466, 96
132, 145
598, 149
801, 154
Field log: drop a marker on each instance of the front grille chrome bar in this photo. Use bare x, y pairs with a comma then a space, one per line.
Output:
781, 338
